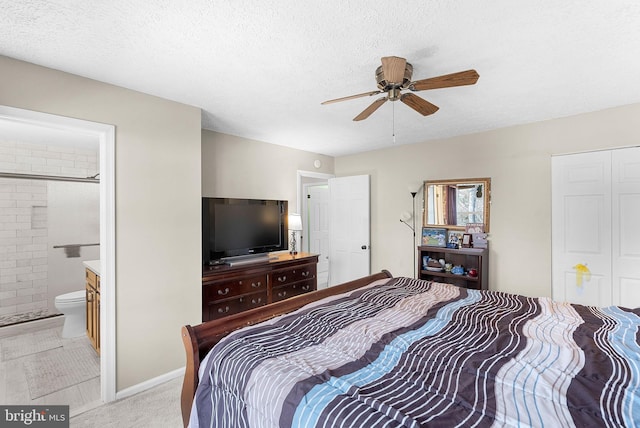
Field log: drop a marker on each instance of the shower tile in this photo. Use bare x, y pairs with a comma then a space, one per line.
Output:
7, 310
7, 233
8, 279
24, 284
39, 261
16, 301
40, 268
7, 294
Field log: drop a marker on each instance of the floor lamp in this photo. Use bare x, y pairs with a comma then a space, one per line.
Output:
413, 229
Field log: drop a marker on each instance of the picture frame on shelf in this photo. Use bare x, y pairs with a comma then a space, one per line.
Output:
434, 236
474, 228
454, 238
467, 240
480, 240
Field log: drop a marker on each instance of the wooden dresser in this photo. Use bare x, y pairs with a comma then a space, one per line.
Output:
228, 289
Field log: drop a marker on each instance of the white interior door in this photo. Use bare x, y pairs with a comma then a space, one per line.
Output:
349, 228
626, 227
581, 228
317, 234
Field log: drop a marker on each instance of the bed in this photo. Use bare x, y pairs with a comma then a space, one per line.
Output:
387, 352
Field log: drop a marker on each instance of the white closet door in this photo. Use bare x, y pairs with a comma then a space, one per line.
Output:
626, 227
581, 227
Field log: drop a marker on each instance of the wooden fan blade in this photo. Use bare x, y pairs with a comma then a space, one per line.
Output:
468, 77
420, 105
393, 69
351, 97
373, 107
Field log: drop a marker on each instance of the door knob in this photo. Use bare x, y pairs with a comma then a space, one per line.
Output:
364, 247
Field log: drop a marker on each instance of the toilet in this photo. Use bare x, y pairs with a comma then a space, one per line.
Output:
73, 306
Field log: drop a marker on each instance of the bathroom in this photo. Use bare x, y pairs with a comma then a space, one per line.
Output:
49, 230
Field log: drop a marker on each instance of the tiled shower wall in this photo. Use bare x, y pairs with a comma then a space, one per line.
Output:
23, 218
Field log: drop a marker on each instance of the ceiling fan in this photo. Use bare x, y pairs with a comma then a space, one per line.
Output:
394, 76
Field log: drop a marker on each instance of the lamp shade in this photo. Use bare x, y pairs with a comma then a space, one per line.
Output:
295, 221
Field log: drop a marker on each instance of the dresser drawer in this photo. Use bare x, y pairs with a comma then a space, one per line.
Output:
225, 289
287, 276
285, 291
237, 304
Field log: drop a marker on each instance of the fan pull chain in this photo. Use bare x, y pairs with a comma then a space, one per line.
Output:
393, 121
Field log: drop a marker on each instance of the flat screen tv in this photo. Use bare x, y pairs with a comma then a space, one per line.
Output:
240, 227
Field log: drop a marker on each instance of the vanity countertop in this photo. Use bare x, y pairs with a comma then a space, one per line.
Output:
93, 265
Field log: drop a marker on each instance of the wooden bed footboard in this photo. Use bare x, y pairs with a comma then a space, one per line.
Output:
199, 339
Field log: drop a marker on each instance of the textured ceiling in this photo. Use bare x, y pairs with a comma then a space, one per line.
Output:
260, 69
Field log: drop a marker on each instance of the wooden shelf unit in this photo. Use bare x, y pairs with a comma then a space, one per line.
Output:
228, 290
477, 258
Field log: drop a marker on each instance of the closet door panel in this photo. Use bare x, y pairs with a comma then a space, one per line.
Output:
626, 227
581, 228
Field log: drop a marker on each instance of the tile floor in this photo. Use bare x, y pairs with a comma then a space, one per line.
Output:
13, 382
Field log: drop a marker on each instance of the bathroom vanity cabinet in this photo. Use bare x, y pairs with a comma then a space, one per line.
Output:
93, 308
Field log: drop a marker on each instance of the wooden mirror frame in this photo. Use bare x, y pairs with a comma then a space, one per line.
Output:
485, 182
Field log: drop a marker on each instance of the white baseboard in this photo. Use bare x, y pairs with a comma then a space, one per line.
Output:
147, 384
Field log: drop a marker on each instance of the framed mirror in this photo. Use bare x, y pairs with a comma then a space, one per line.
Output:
455, 203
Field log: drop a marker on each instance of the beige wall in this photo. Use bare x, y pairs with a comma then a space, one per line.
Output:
518, 160
157, 207
234, 167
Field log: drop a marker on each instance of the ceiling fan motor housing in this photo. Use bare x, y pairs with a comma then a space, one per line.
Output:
385, 85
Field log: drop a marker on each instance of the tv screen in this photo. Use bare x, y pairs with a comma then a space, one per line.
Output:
238, 227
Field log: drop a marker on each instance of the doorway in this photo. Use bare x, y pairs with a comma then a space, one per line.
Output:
313, 207
316, 228
105, 134
342, 204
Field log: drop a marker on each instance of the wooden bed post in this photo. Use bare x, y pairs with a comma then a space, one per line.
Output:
191, 372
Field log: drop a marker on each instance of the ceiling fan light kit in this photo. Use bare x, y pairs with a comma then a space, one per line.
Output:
394, 76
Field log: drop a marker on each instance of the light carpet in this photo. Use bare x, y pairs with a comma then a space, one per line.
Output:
60, 368
156, 407
30, 343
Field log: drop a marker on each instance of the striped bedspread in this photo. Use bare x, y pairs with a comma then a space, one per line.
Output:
413, 353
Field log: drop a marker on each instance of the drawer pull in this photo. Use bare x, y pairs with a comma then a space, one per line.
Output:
306, 287
282, 294
256, 284
256, 301
223, 292
306, 273
223, 311
282, 278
